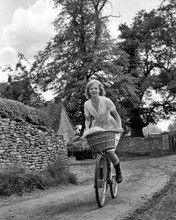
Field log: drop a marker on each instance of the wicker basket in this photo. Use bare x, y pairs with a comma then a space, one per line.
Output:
101, 141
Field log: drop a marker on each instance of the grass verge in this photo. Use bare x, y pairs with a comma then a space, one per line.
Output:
17, 180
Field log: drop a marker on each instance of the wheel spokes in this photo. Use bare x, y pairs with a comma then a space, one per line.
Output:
113, 183
101, 182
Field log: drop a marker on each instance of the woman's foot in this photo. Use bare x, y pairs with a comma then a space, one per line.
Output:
119, 177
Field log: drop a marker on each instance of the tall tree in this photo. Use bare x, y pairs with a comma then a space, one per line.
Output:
82, 48
150, 43
19, 82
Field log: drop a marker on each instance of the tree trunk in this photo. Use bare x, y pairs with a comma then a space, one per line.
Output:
137, 124
137, 132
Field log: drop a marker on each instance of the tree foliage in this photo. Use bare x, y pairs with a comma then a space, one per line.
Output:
150, 43
82, 48
138, 71
18, 87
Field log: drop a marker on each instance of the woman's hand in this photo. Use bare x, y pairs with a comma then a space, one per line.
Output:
120, 130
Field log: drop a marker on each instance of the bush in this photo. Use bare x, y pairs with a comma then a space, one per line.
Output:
18, 111
57, 173
15, 179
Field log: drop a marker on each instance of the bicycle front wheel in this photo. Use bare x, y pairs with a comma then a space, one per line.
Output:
100, 180
113, 184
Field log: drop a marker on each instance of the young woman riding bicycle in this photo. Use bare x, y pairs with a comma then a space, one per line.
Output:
101, 108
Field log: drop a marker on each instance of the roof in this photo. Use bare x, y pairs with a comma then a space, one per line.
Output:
54, 112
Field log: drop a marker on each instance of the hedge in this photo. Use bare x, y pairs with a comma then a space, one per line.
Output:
17, 111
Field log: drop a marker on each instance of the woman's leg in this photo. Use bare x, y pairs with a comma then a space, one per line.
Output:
113, 156
115, 160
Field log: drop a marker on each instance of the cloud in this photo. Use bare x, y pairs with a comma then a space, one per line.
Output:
30, 29
8, 55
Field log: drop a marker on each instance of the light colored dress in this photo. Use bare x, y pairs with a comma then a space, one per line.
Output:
102, 117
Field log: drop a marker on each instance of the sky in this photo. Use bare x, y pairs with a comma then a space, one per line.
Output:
26, 26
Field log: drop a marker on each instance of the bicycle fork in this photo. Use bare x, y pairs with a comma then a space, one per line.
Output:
109, 167
109, 174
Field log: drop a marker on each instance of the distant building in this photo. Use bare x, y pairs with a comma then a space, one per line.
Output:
60, 121
22, 91
151, 129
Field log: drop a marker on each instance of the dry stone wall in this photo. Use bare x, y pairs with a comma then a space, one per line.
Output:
28, 145
143, 146
157, 144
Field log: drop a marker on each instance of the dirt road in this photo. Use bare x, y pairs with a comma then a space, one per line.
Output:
146, 185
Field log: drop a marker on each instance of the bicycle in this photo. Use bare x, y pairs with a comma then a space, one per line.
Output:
105, 174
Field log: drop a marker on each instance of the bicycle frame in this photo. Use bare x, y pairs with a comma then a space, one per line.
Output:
104, 178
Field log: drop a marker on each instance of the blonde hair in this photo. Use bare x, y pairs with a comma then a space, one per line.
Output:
90, 83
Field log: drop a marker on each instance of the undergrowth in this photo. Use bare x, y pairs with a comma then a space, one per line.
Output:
15, 179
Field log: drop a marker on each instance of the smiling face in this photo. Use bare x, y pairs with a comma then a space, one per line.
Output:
94, 90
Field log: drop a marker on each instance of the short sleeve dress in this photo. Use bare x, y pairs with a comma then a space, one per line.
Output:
101, 118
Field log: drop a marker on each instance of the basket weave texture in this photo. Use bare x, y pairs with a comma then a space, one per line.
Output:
101, 141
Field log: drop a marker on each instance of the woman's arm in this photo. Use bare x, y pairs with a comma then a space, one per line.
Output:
87, 115
117, 118
87, 122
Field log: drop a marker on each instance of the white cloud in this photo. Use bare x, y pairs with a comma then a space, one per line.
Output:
29, 31
8, 55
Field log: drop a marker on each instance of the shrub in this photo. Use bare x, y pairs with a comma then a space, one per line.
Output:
18, 111
57, 173
15, 179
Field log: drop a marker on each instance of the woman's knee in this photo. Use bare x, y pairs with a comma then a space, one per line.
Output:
111, 153
113, 157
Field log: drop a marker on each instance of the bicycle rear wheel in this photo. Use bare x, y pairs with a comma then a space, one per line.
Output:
100, 180
113, 184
